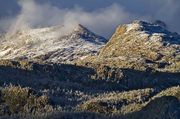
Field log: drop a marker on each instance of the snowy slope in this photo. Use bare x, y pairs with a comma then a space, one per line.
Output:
51, 44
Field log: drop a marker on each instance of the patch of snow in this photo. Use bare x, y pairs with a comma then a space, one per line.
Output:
133, 26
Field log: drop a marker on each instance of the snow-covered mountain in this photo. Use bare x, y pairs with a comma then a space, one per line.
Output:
52, 44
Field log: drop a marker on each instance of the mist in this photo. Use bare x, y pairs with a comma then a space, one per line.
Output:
101, 20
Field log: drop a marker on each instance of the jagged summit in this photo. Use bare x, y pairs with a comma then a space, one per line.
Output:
153, 29
85, 33
52, 44
80, 28
140, 45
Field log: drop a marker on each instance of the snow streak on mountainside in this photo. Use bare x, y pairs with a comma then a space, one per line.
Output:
51, 44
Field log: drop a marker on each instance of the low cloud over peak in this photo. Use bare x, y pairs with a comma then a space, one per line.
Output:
100, 16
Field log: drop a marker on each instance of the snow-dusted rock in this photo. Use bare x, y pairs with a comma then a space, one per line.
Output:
52, 44
140, 45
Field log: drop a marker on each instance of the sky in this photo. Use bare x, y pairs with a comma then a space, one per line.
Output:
100, 16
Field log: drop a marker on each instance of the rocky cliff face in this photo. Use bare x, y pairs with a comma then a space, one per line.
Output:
140, 45
139, 54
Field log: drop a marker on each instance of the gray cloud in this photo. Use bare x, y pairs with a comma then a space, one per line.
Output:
101, 16
102, 21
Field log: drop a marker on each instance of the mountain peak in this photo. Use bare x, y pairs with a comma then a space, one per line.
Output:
80, 27
83, 32
142, 28
140, 41
52, 44
145, 26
